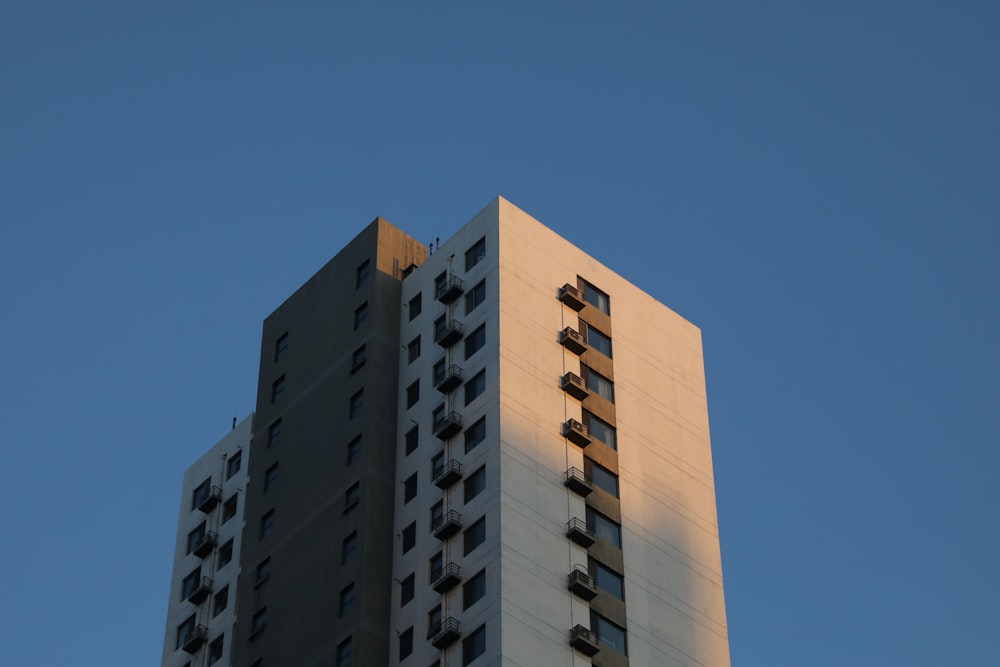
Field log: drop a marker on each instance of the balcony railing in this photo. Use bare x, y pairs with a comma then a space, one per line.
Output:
205, 545
447, 578
584, 641
448, 633
577, 530
576, 432
578, 482
201, 591
449, 290
572, 297
448, 378
449, 334
195, 638
582, 584
574, 385
447, 525
449, 473
573, 340
208, 498
448, 425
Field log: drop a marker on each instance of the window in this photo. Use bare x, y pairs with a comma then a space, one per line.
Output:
274, 433
596, 339
233, 464
357, 402
201, 493
409, 536
267, 524
409, 488
475, 434
596, 298
437, 514
406, 642
475, 483
259, 621
270, 478
349, 548
277, 389
185, 629
437, 564
475, 535
190, 583
439, 283
358, 358
281, 346
220, 602
475, 296
215, 649
601, 430
440, 324
610, 634
229, 508
406, 588
354, 450
605, 528
598, 384
346, 599
437, 417
413, 394
475, 254
437, 465
412, 438
475, 386
413, 350
225, 554
196, 537
473, 589
361, 274
434, 621
416, 305
344, 653
263, 571
475, 340
601, 476
474, 645
352, 496
360, 315
438, 372
607, 579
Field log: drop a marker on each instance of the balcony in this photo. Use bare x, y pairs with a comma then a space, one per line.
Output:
576, 432
578, 483
205, 544
447, 578
582, 584
576, 530
208, 498
449, 473
195, 638
584, 641
201, 591
572, 340
449, 334
448, 379
449, 290
449, 425
448, 633
447, 525
574, 385
572, 297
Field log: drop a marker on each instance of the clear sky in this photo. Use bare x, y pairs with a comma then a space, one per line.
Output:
814, 184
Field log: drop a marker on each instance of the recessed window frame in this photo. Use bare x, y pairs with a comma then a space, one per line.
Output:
413, 350
409, 488
416, 305
475, 434
475, 254
349, 548
475, 387
413, 393
362, 273
356, 404
360, 315
277, 389
475, 341
474, 535
597, 298
475, 483
475, 296
281, 347
474, 589
274, 433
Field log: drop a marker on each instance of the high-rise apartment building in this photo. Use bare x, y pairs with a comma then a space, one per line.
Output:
495, 453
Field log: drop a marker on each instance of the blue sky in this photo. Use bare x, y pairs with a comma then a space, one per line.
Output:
813, 184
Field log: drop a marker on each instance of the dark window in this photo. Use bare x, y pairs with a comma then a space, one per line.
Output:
610, 634
413, 350
233, 464
215, 649
356, 404
270, 478
437, 564
597, 298
597, 340
437, 465
434, 621
220, 602
406, 589
229, 508
601, 476
259, 621
349, 548
608, 580
437, 514
263, 571
361, 275
274, 433
605, 528
196, 537
185, 629
475, 340
360, 315
438, 372
410, 488
475, 386
475, 483
352, 496
344, 653
266, 523
281, 346
406, 642
416, 305
598, 384
409, 536
412, 439
474, 645
601, 430
354, 450
346, 599
475, 296
440, 324
190, 583
475, 254
473, 589
358, 358
201, 493
475, 434
439, 282
475, 535
277, 389
413, 394
225, 554
437, 417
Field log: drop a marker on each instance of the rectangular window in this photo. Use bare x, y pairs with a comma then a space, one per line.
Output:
602, 477
413, 350
406, 643
196, 537
596, 298
475, 340
437, 564
201, 493
266, 523
412, 439
607, 579
220, 601
437, 514
475, 296
598, 384
475, 254
413, 394
277, 389
225, 554
437, 465
440, 281
474, 535
354, 450
596, 339
440, 324
358, 358
433, 621
410, 488
190, 583
601, 430
416, 306
610, 634
281, 346
356, 404
349, 548
263, 571
409, 536
475, 434
271, 478
475, 386
437, 417
605, 528
274, 433
346, 599
360, 315
233, 464
406, 589
185, 629
352, 496
474, 645
344, 653
259, 621
475, 483
215, 649
361, 274
473, 589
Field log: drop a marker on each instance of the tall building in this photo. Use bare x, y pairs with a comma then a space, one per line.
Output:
495, 453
